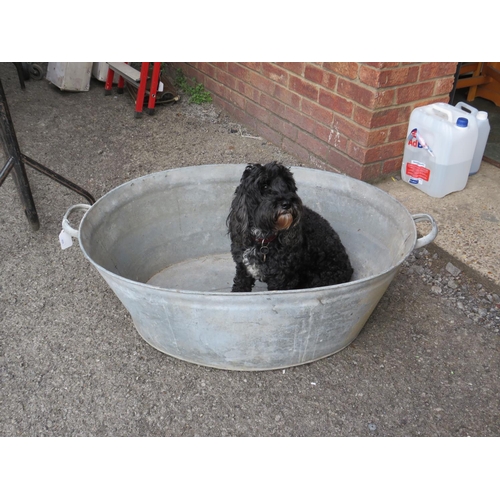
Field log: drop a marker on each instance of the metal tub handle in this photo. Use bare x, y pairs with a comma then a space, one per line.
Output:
428, 238
75, 233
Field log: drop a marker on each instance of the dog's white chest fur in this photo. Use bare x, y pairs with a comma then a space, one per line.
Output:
251, 262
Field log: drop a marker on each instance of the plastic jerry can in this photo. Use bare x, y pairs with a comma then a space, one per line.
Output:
483, 131
439, 148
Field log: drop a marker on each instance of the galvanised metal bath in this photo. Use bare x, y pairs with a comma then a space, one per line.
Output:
161, 243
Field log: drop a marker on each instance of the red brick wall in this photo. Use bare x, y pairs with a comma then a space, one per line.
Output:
345, 117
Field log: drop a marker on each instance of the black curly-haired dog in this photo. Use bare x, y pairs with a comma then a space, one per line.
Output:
278, 240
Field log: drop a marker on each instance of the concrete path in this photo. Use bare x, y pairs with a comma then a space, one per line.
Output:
468, 220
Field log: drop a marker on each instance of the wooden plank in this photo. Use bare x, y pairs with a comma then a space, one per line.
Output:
473, 81
125, 70
469, 68
491, 71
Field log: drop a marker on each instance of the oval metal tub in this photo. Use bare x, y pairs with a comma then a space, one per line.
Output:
161, 243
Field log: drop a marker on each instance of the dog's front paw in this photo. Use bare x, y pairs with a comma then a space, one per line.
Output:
243, 285
242, 282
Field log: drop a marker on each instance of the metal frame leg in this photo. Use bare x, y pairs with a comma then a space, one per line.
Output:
109, 82
155, 77
139, 103
15, 164
20, 74
121, 84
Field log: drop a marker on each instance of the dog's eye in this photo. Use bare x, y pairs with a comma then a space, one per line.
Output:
265, 187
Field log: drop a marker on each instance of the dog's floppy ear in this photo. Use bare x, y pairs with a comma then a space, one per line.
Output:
237, 220
238, 216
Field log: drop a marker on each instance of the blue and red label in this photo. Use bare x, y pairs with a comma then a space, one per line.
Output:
417, 171
412, 139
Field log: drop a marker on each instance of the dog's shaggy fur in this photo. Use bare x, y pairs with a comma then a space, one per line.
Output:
278, 240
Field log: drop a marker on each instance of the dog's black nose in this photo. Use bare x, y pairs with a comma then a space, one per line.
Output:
285, 205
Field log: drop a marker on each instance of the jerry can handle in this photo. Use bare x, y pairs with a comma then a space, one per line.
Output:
466, 107
442, 111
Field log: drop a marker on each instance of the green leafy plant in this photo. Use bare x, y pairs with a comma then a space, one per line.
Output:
196, 91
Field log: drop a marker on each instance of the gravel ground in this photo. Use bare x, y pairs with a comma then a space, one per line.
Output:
456, 289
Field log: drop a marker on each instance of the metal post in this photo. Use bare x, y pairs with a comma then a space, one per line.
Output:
16, 165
